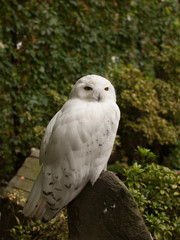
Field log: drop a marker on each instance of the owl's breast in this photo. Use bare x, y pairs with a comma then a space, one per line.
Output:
83, 128
87, 117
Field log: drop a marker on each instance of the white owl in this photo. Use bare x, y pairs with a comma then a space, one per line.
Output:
76, 146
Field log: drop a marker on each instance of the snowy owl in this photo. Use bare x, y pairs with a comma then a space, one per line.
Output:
76, 146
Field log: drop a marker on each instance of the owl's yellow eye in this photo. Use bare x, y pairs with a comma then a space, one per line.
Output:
87, 88
106, 89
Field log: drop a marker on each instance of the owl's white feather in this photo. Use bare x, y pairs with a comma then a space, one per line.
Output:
76, 146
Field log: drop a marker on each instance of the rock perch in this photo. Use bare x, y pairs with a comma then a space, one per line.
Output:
106, 211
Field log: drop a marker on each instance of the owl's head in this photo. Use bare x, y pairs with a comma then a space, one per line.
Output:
93, 88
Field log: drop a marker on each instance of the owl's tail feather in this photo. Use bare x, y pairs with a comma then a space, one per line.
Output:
36, 203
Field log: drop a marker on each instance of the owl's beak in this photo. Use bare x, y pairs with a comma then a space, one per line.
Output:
99, 97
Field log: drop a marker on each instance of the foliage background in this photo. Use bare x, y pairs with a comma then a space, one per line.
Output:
46, 45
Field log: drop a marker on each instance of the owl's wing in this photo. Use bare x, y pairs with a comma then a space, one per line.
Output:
80, 140
46, 137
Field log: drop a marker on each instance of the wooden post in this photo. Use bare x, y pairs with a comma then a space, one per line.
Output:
106, 211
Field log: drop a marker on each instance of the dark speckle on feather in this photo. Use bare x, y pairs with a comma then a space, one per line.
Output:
51, 204
68, 186
54, 209
47, 193
56, 199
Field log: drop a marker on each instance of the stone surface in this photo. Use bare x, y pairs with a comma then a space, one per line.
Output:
15, 194
106, 211
35, 152
21, 184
